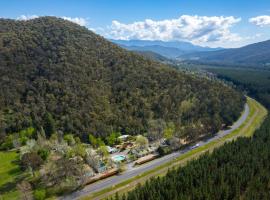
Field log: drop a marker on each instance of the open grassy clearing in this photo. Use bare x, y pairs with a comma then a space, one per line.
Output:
255, 118
9, 174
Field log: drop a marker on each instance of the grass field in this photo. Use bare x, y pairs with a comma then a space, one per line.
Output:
9, 174
255, 118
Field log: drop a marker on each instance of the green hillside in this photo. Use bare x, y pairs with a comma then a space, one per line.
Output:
62, 77
153, 56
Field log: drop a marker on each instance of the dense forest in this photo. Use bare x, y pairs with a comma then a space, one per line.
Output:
59, 76
237, 170
255, 82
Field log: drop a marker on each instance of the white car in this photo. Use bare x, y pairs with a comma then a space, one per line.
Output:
195, 146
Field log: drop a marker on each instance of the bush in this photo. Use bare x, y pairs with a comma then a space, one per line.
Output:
131, 157
43, 153
112, 139
92, 140
164, 150
32, 160
70, 139
8, 143
28, 133
23, 140
39, 194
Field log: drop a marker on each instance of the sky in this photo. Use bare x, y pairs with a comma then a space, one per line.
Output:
214, 23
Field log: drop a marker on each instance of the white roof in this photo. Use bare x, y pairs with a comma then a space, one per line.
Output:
123, 136
110, 148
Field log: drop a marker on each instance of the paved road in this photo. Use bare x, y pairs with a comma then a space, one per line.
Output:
134, 171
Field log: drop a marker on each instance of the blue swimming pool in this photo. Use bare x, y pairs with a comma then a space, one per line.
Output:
118, 158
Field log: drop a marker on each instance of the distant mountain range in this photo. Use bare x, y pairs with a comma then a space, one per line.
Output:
168, 52
253, 55
170, 49
256, 55
155, 56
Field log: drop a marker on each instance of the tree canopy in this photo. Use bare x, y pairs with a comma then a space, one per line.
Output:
60, 76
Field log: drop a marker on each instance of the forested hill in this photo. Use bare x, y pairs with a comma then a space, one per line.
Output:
153, 56
60, 76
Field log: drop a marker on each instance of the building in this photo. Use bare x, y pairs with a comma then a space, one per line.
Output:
111, 149
145, 159
123, 137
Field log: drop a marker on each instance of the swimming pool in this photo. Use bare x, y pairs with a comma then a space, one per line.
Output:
118, 158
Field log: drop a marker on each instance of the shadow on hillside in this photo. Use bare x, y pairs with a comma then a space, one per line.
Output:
14, 171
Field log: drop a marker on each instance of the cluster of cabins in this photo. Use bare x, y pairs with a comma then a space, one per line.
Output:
129, 147
119, 153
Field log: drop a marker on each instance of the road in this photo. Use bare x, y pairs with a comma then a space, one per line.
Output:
134, 171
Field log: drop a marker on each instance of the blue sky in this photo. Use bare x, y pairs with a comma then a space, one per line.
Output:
204, 22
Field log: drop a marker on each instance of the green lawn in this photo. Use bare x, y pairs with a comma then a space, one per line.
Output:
9, 174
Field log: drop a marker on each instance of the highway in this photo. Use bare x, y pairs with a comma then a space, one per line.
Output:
134, 171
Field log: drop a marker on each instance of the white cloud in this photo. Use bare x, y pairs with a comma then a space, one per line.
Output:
26, 17
78, 20
253, 37
261, 21
197, 29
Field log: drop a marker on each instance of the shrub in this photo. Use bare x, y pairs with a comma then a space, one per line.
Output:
43, 153
112, 139
32, 160
23, 140
92, 140
40, 194
164, 151
28, 133
8, 143
69, 139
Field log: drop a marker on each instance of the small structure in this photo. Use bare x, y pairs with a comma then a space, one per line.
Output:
127, 145
111, 149
145, 159
123, 137
97, 177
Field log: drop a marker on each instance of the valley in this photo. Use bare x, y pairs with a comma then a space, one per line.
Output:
134, 100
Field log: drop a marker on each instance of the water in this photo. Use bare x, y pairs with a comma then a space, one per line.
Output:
118, 158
